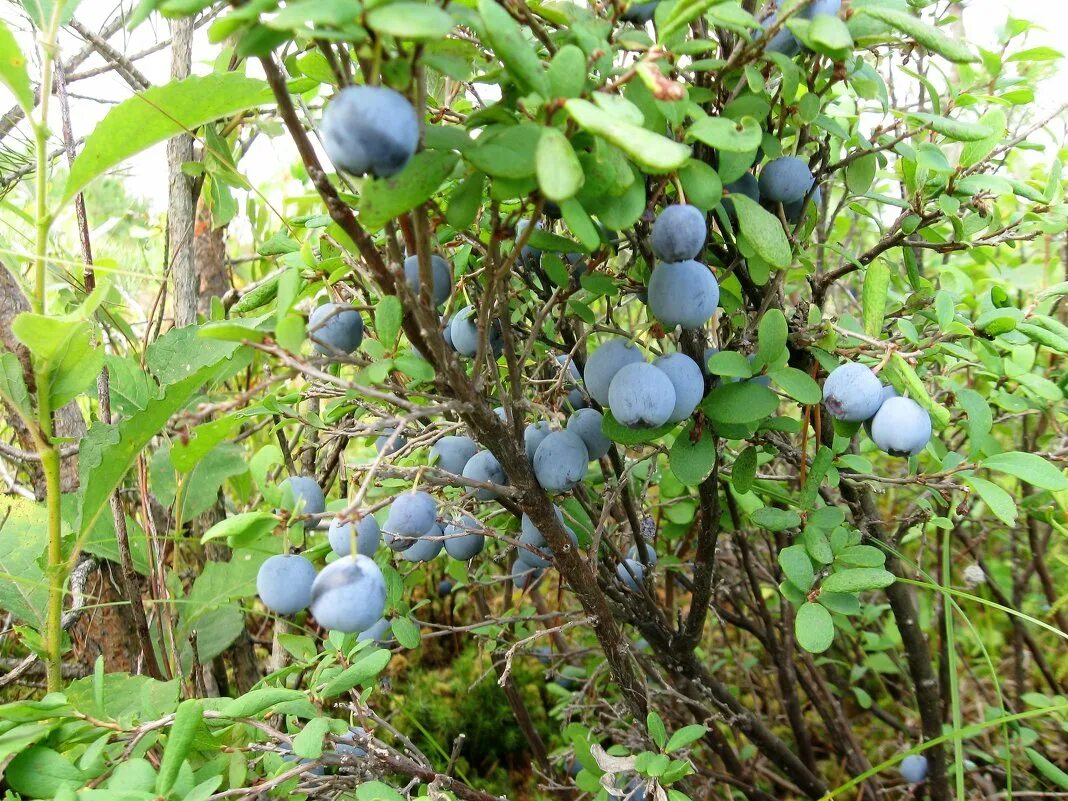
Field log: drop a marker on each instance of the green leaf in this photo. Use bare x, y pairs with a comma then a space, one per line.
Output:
107, 451
690, 461
122, 697
233, 330
999, 501
743, 473
465, 201
13, 73
730, 136
954, 129
975, 151
931, 38
253, 703
567, 72
624, 435
775, 519
559, 173
876, 286
1029, 467
907, 376
817, 545
685, 736
651, 151
857, 579
65, 345
43, 11
581, 224
862, 556
159, 113
681, 15
740, 402
798, 384
13, 386
414, 366
309, 742
730, 363
377, 791
702, 185
201, 441
1049, 771
411, 21
181, 353
369, 664
828, 34
23, 587
187, 720
860, 173
763, 231
406, 632
797, 567
656, 729
821, 464
771, 336
246, 525
389, 314
383, 199
507, 151
814, 628
843, 603
517, 53
40, 772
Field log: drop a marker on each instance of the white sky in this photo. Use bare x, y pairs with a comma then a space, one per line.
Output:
146, 174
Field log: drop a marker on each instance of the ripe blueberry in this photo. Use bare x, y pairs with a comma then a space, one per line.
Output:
587, 425
441, 275
411, 515
426, 547
560, 461
901, 427
384, 446
302, 495
685, 376
785, 180
605, 362
483, 466
284, 583
631, 573
641, 395
464, 538
368, 536
852, 392
650, 553
683, 293
679, 233
783, 41
349, 595
335, 328
370, 129
913, 768
533, 435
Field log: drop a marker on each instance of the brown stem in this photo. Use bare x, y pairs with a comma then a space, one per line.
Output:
917, 651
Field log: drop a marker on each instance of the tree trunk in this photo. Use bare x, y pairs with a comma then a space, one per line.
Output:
209, 256
180, 212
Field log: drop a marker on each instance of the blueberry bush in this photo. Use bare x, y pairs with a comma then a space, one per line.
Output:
652, 400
